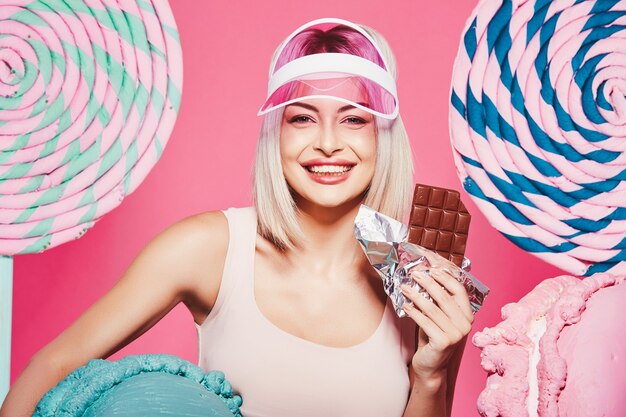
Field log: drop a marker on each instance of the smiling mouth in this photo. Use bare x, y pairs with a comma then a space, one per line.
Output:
328, 170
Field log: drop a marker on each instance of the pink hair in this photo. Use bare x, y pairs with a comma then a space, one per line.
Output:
338, 39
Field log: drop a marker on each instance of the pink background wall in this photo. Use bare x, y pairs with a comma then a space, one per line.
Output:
208, 161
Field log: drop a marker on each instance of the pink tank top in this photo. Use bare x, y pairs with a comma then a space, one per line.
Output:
278, 374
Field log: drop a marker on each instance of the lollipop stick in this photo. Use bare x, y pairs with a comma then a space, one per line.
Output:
6, 293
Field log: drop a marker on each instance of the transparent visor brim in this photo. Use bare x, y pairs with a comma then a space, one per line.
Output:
352, 90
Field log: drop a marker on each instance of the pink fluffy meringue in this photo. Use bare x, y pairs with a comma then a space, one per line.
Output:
559, 351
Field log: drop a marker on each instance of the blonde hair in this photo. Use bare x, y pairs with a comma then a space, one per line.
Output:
390, 191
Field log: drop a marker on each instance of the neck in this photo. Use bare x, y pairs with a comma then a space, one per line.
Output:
330, 248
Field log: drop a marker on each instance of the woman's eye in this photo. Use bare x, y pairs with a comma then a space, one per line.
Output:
355, 120
300, 119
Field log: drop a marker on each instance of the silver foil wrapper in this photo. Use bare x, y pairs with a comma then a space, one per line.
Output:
383, 239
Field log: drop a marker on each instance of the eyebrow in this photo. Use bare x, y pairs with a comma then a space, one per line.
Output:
315, 109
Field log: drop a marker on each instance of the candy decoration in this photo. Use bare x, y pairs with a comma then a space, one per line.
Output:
537, 123
141, 385
89, 93
551, 349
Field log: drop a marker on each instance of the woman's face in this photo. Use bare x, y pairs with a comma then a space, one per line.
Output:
328, 150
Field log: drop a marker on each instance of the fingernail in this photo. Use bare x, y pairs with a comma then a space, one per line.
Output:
405, 289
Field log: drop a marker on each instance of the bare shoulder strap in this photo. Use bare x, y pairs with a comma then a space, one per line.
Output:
239, 257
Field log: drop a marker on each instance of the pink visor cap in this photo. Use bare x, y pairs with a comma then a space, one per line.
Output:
344, 77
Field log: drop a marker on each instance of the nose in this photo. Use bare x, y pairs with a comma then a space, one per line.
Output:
328, 140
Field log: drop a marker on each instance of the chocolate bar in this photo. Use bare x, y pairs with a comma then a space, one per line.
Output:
439, 221
384, 242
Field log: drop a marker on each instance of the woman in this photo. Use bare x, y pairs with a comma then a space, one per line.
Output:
283, 298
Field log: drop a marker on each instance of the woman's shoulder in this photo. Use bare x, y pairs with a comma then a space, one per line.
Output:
214, 225
205, 237
199, 229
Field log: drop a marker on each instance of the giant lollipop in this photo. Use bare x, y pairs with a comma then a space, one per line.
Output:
89, 93
537, 119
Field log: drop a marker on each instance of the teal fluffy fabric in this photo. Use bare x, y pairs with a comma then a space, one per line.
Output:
141, 385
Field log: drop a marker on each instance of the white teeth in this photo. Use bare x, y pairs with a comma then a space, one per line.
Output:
329, 168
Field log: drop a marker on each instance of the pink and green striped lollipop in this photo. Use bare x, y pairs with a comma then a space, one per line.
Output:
89, 93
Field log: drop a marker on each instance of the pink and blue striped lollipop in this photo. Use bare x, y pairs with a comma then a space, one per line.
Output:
538, 127
89, 93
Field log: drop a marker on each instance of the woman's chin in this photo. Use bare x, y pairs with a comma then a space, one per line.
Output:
329, 200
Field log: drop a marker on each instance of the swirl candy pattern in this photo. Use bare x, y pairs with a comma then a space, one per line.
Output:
537, 123
89, 93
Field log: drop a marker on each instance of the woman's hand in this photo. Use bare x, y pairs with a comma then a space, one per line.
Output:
443, 324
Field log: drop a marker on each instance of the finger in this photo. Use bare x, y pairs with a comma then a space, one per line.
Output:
444, 299
456, 289
436, 337
433, 312
454, 331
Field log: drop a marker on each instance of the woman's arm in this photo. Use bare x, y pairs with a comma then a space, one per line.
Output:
443, 327
435, 387
428, 396
182, 263
453, 372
